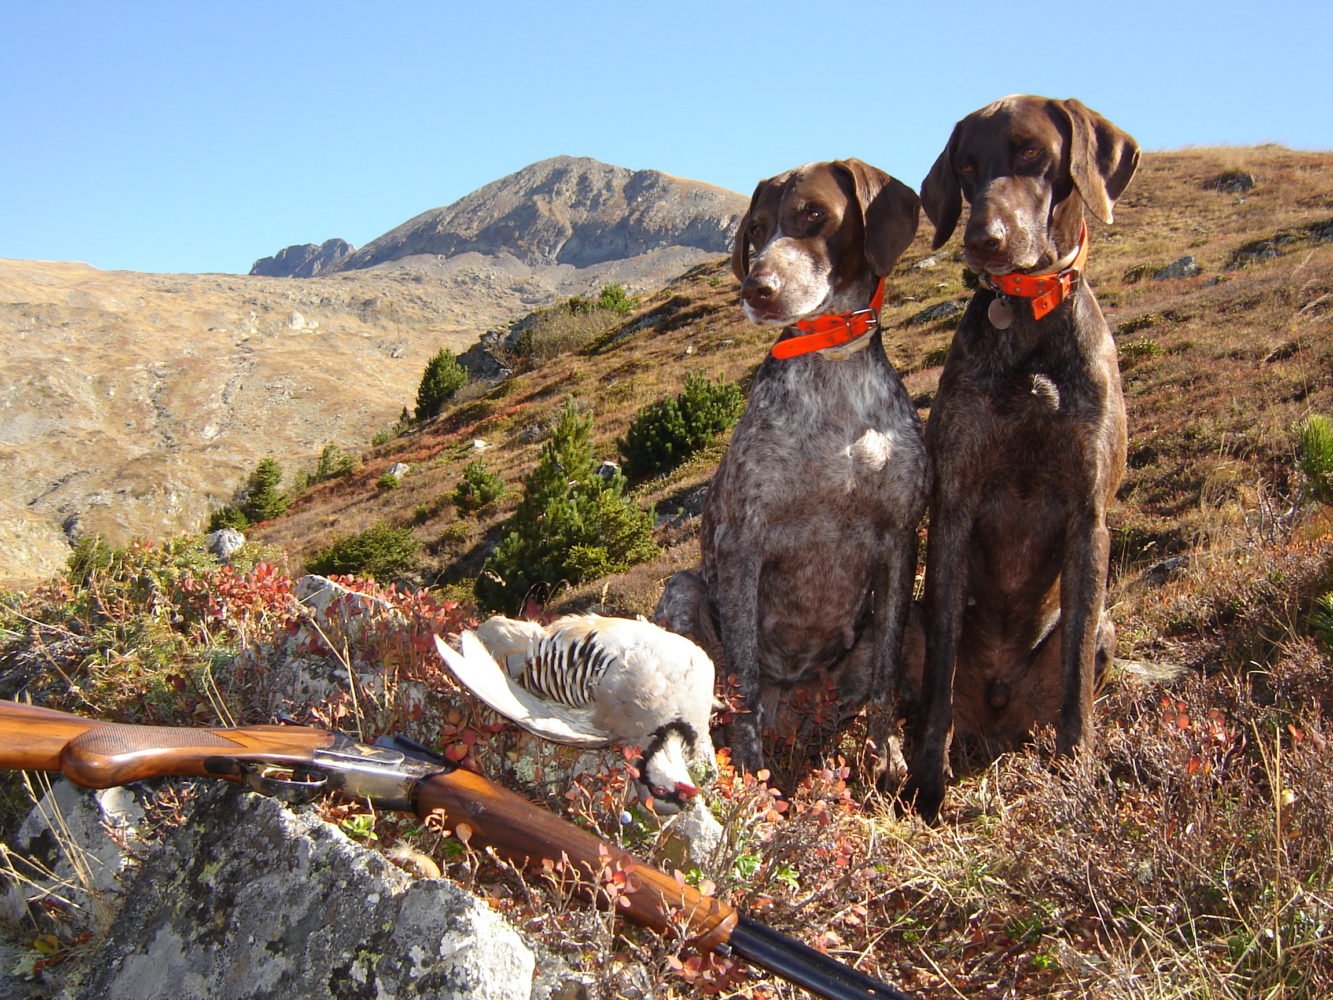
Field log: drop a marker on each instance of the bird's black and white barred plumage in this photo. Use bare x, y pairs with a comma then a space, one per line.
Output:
567, 663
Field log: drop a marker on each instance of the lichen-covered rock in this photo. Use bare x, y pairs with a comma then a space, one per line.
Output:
250, 899
66, 862
225, 543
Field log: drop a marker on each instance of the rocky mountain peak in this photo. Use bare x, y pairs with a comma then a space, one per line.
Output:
303, 260
567, 210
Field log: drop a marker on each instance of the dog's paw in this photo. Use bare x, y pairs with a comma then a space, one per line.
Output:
925, 797
924, 788
747, 753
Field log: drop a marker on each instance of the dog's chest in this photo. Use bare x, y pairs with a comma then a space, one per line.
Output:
824, 442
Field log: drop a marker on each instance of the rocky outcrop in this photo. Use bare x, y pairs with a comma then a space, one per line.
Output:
251, 899
247, 898
303, 260
567, 210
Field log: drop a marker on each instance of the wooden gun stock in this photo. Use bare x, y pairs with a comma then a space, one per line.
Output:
103, 754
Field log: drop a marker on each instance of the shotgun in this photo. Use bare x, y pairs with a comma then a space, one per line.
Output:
297, 763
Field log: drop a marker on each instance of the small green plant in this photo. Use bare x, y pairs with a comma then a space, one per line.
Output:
360, 826
443, 377
381, 551
665, 433
615, 299
263, 500
258, 500
478, 488
1314, 457
1139, 349
228, 516
1321, 620
334, 463
571, 525
388, 481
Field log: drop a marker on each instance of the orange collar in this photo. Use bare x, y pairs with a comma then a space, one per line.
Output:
832, 330
1045, 291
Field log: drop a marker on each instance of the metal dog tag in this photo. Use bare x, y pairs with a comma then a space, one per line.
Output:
1000, 312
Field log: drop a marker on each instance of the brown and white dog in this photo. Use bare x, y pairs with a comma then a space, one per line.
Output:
1026, 435
808, 530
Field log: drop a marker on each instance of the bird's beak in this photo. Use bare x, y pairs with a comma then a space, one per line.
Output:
686, 791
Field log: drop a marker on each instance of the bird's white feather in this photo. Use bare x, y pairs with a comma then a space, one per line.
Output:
477, 670
510, 641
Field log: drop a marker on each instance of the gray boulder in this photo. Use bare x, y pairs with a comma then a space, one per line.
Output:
225, 543
947, 309
1185, 267
252, 900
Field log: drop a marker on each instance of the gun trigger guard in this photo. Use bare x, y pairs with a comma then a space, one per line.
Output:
302, 787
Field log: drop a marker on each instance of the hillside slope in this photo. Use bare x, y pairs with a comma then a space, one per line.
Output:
132, 403
1218, 367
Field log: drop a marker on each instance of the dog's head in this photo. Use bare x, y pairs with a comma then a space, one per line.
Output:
817, 238
1018, 163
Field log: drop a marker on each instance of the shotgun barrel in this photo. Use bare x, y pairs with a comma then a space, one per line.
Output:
299, 762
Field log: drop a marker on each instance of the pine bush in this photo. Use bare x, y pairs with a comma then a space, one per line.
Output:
615, 299
478, 487
665, 433
229, 516
572, 524
443, 377
263, 500
381, 551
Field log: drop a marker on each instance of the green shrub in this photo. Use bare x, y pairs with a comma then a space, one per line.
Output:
665, 433
443, 377
258, 500
1314, 457
381, 551
478, 487
333, 463
229, 516
263, 501
615, 299
1321, 619
1139, 349
388, 481
572, 524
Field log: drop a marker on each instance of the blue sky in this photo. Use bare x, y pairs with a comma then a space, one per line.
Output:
200, 136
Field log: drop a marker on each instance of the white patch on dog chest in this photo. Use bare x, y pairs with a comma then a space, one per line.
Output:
871, 450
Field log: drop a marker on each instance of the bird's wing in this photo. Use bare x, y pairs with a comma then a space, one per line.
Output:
510, 641
477, 670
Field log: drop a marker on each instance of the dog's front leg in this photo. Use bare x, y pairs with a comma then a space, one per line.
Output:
1082, 594
738, 613
893, 597
946, 597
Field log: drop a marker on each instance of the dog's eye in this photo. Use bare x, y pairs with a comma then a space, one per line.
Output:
1029, 153
966, 167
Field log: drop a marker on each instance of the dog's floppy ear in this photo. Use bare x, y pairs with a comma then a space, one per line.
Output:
740, 248
890, 210
1102, 158
941, 194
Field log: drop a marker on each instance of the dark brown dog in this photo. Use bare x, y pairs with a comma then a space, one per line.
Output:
808, 530
1026, 436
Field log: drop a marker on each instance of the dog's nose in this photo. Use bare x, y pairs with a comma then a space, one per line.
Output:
760, 288
985, 238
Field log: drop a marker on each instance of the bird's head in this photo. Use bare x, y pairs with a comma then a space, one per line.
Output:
664, 769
